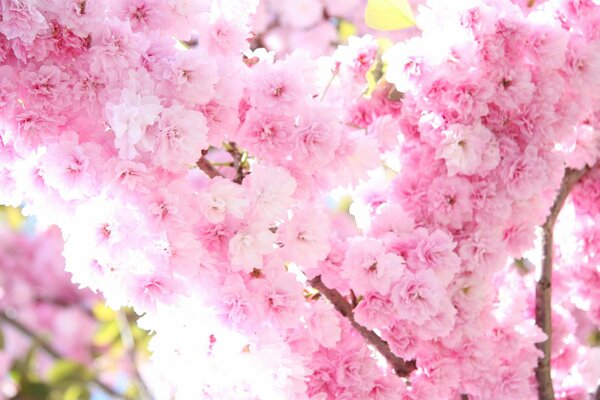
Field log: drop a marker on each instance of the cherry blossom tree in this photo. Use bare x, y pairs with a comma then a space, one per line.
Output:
299, 213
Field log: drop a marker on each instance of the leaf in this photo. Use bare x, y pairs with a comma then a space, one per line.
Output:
76, 392
14, 217
2, 340
32, 391
67, 371
102, 312
345, 30
107, 334
389, 15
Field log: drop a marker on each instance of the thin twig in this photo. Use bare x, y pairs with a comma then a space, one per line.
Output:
597, 397
401, 367
543, 289
51, 351
129, 345
238, 162
207, 167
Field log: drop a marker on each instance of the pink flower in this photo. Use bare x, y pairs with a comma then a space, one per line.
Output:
316, 138
222, 198
463, 148
449, 201
280, 295
248, 246
368, 267
418, 296
225, 37
193, 76
21, 20
435, 251
180, 137
283, 84
323, 324
68, 168
142, 14
129, 119
267, 135
150, 290
374, 311
270, 191
524, 174
305, 237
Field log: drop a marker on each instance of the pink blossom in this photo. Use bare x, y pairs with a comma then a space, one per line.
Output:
180, 135
305, 237
129, 119
270, 191
324, 324
248, 246
225, 37
222, 198
463, 147
374, 311
70, 169
150, 290
21, 20
449, 201
435, 251
369, 268
417, 297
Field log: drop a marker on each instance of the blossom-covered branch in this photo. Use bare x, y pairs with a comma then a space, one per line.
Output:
400, 366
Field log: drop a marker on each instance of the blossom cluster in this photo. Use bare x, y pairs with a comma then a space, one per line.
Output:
189, 178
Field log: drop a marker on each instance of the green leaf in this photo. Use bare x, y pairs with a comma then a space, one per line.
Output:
76, 392
107, 334
68, 372
32, 391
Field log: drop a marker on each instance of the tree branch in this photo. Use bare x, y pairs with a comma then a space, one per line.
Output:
597, 397
543, 289
51, 351
238, 161
401, 367
206, 166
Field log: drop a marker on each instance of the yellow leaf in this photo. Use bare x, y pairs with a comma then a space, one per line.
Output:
345, 30
102, 312
14, 218
107, 334
389, 15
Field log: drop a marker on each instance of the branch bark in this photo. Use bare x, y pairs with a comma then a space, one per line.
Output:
401, 367
52, 352
597, 397
543, 289
206, 166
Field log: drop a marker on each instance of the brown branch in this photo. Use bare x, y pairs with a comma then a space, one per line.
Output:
51, 351
206, 166
543, 289
238, 162
597, 397
401, 367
